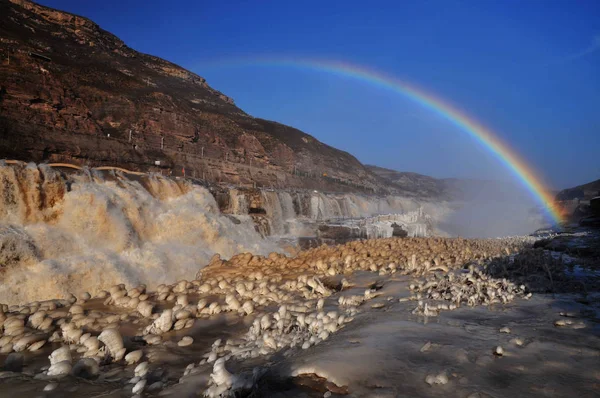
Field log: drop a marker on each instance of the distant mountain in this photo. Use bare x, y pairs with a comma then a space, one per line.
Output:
449, 188
582, 192
412, 183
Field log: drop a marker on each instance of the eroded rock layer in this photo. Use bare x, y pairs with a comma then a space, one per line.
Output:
72, 92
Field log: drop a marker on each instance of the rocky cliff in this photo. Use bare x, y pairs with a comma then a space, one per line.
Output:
581, 203
581, 192
451, 189
73, 92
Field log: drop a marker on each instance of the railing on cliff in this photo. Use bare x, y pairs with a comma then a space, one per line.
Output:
76, 167
99, 168
168, 148
170, 144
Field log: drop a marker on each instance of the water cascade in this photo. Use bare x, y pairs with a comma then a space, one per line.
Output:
272, 206
84, 232
238, 202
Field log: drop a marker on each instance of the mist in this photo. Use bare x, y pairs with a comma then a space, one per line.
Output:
490, 209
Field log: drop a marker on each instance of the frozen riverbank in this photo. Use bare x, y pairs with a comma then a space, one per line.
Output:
387, 317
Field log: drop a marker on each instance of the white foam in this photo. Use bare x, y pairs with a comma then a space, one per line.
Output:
107, 232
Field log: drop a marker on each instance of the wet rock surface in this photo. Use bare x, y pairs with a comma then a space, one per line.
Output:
576, 241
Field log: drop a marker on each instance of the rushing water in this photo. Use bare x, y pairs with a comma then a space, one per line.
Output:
62, 234
87, 232
298, 214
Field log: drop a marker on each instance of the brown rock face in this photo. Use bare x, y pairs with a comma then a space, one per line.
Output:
72, 92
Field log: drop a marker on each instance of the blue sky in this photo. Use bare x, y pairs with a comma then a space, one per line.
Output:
529, 70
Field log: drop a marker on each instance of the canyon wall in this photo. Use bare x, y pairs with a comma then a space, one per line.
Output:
72, 92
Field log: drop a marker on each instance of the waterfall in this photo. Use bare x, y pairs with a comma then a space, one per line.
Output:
324, 207
353, 211
86, 232
29, 194
298, 214
287, 206
238, 204
381, 230
336, 209
274, 212
315, 208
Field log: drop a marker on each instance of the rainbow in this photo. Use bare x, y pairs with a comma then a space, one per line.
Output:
484, 136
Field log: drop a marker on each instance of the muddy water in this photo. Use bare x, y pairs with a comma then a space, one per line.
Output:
61, 236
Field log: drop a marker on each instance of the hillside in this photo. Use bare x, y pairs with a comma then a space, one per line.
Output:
583, 192
73, 92
414, 183
459, 189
